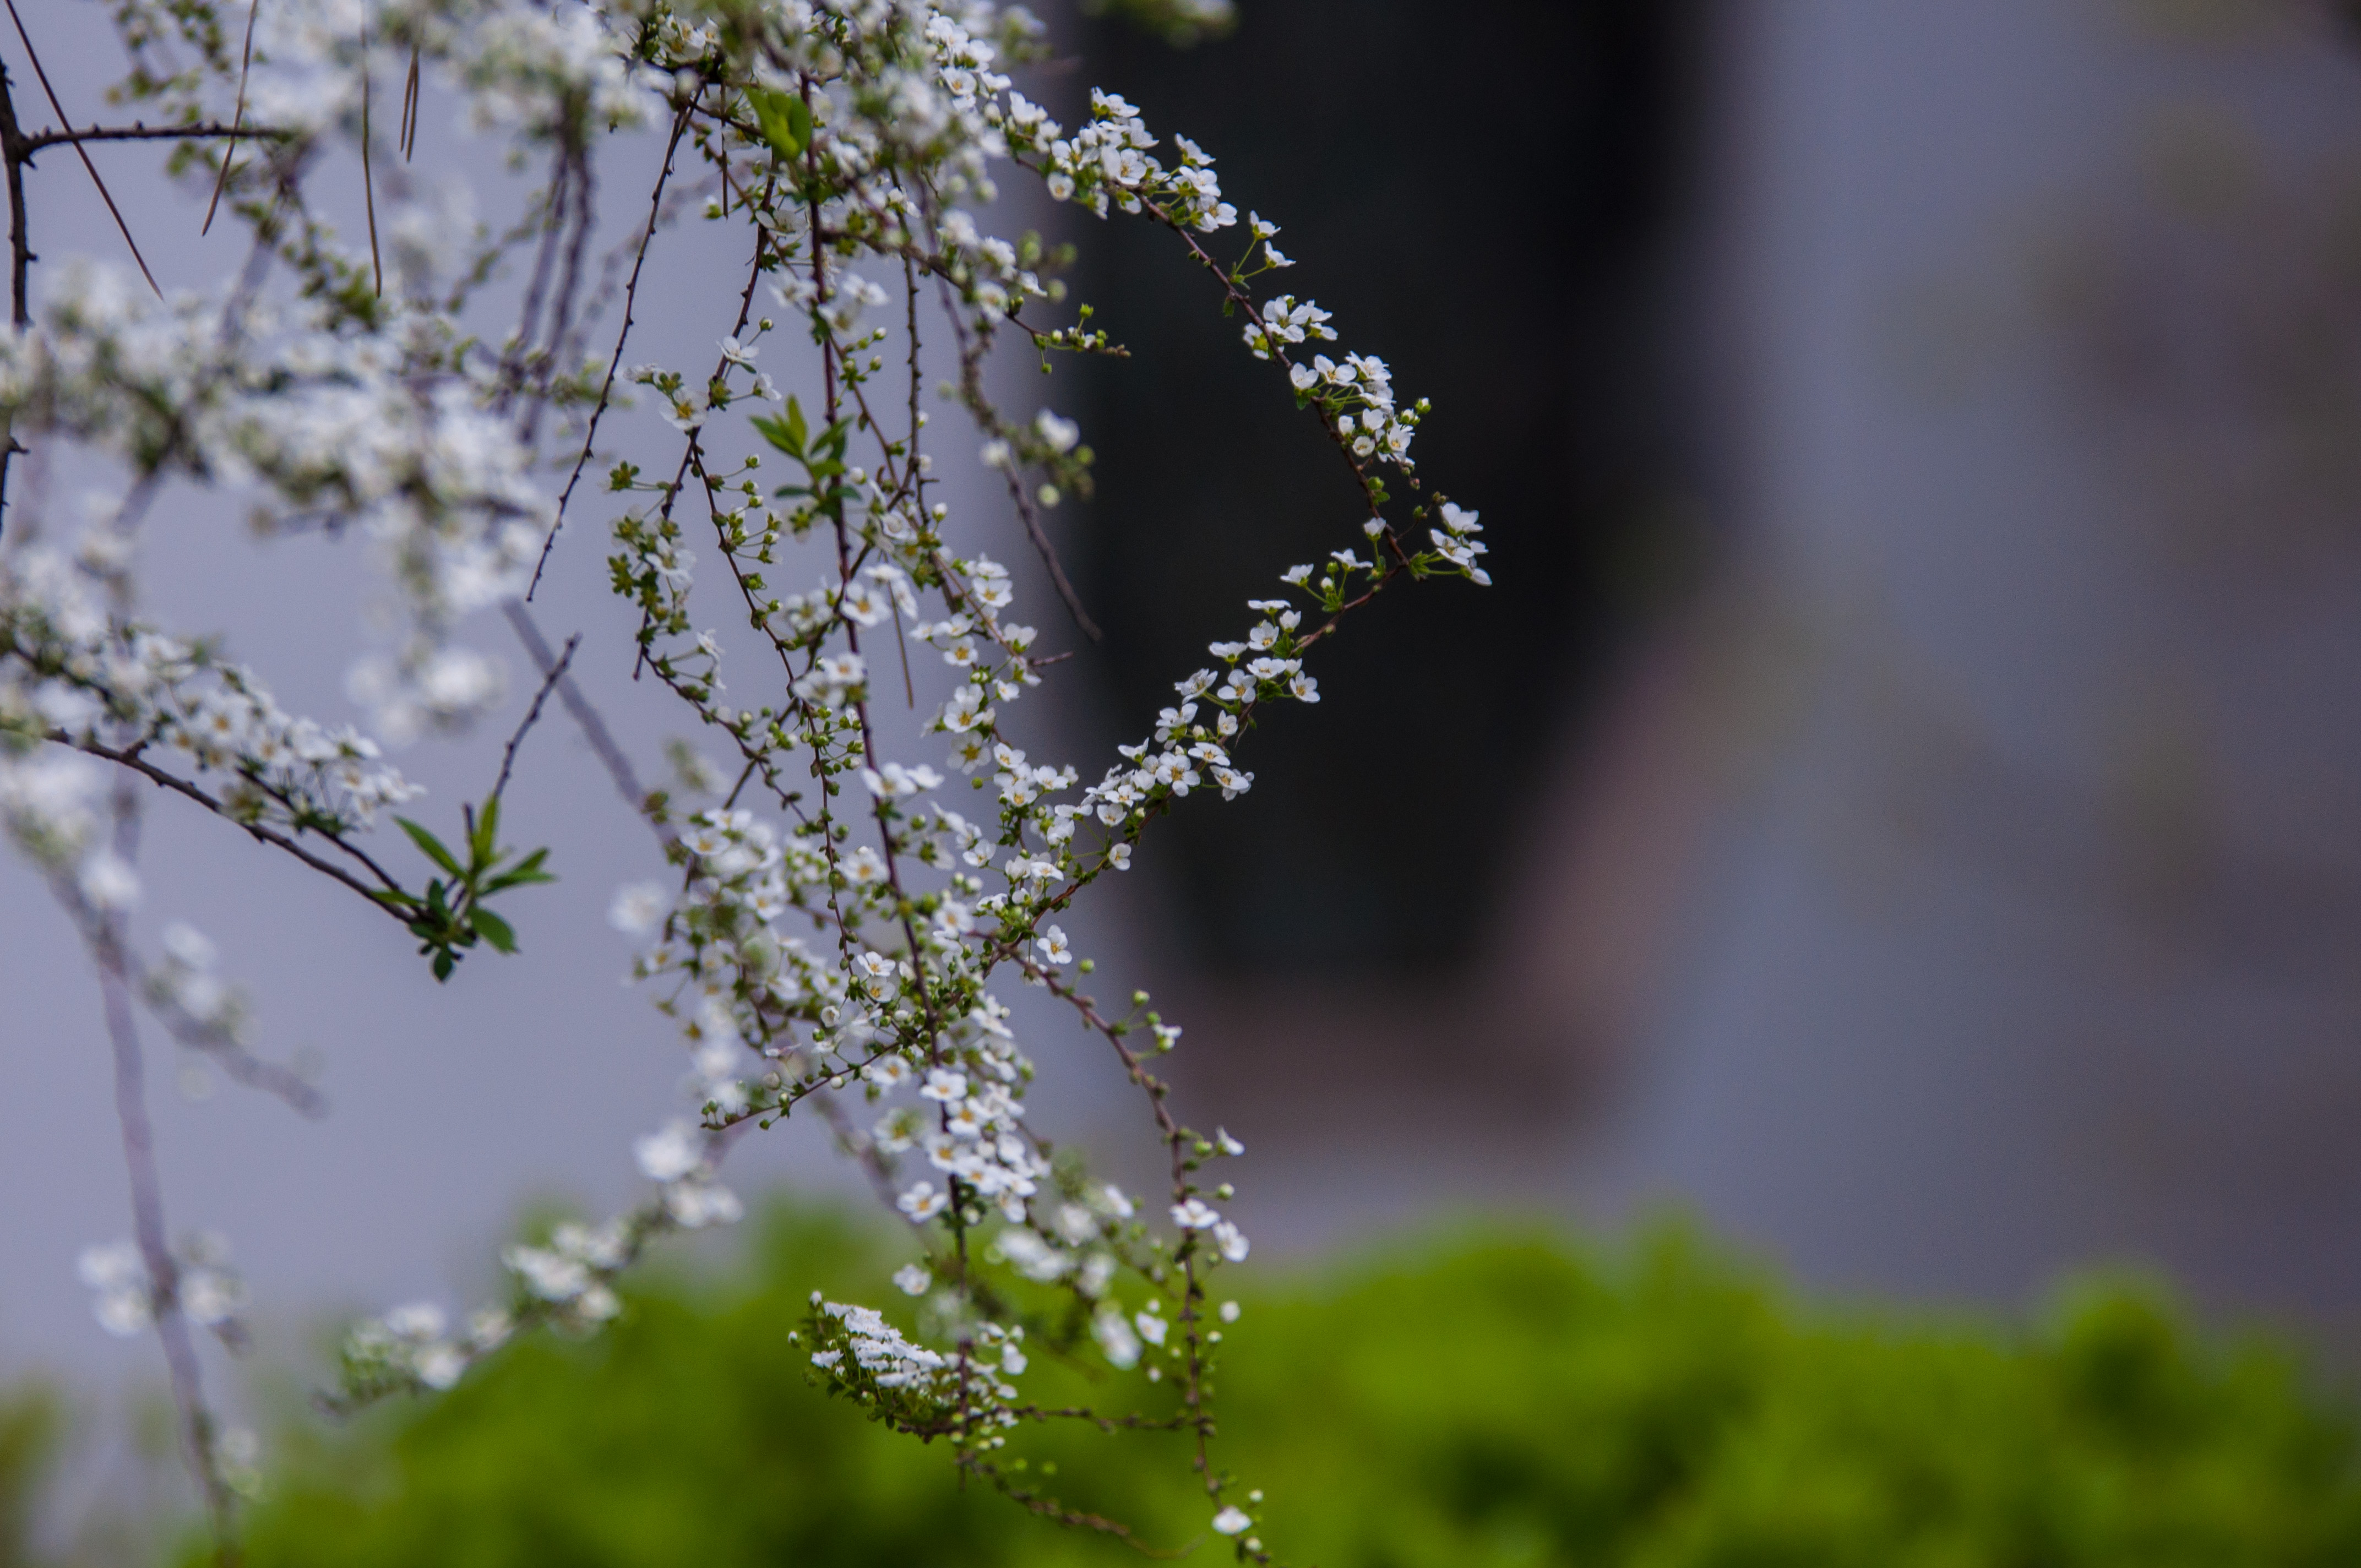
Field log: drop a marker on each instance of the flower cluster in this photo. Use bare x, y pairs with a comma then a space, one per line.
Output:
830, 936
201, 1287
412, 1346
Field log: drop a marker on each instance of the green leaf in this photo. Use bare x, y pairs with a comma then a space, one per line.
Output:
787, 434
787, 122
444, 964
486, 827
493, 930
428, 843
523, 874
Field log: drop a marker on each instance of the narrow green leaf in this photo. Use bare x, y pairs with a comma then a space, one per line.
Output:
486, 827
780, 434
523, 873
430, 844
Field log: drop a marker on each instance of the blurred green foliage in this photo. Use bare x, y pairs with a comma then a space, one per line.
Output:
29, 1432
1511, 1400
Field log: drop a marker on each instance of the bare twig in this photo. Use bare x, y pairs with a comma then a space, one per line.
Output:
245, 66
551, 676
209, 132
65, 119
408, 133
594, 728
368, 178
607, 389
20, 246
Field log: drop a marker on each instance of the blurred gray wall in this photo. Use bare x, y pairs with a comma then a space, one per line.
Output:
1967, 885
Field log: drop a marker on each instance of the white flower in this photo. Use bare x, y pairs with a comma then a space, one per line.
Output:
118, 1277
186, 946
1227, 1143
1194, 1215
440, 1366
1115, 1338
109, 882
669, 1154
1232, 1241
1053, 946
912, 1278
1151, 1328
945, 1085
922, 1201
1229, 1311
893, 780
695, 1204
1119, 857
1231, 1521
417, 1320
1058, 435
638, 908
211, 1297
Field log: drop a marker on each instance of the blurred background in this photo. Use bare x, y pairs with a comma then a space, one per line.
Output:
1900, 802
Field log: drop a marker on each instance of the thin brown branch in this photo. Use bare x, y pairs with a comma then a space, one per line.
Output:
128, 758
408, 132
210, 132
20, 245
614, 361
65, 119
550, 677
368, 178
594, 728
245, 68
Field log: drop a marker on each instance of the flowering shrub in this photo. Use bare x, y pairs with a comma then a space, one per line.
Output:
828, 938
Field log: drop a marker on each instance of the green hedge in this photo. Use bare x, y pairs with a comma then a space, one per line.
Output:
1507, 1400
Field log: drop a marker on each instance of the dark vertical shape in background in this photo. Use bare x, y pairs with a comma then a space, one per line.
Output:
1484, 193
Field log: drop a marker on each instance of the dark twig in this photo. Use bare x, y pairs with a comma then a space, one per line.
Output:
65, 119
550, 677
409, 133
594, 728
178, 785
971, 356
20, 245
607, 389
245, 66
40, 139
12, 149
368, 180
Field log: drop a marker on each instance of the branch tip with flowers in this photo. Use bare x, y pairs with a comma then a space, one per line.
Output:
827, 934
